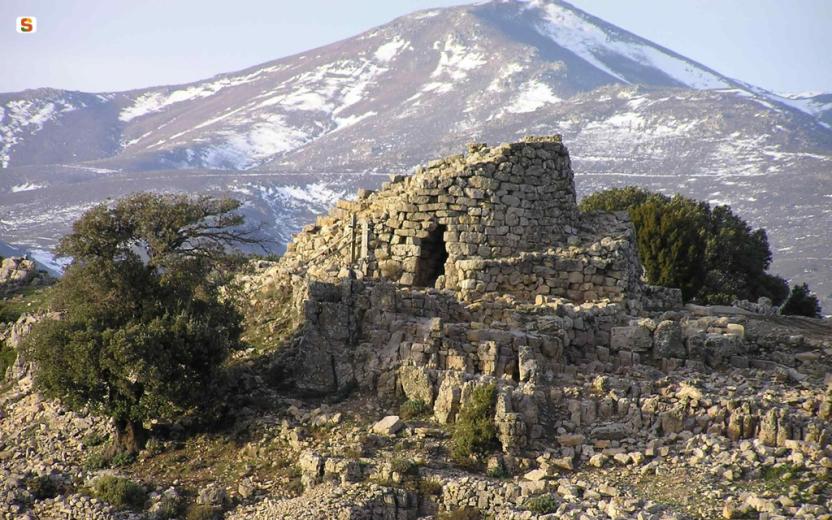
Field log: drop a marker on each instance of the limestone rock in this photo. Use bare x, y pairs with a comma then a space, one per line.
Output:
667, 340
389, 425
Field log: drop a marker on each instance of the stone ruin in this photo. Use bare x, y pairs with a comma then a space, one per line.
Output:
478, 269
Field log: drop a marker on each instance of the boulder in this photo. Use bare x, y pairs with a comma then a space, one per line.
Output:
635, 337
667, 340
390, 425
416, 383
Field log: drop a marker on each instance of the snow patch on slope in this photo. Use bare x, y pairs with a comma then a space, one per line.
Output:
156, 101
804, 102
245, 149
26, 186
499, 83
571, 30
532, 96
456, 60
389, 50
26, 116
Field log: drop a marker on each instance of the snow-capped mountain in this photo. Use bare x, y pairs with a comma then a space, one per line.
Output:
419, 87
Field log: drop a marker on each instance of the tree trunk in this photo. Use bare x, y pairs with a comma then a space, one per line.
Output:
130, 437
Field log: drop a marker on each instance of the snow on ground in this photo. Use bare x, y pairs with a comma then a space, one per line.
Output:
532, 96
456, 60
48, 260
571, 30
27, 186
29, 116
389, 50
500, 81
804, 102
155, 101
241, 150
424, 14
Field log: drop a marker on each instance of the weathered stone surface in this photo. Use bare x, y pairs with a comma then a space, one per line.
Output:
667, 340
389, 425
636, 338
416, 383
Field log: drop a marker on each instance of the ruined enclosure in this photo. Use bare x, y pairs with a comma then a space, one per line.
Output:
433, 254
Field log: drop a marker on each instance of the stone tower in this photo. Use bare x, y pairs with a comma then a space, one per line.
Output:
497, 220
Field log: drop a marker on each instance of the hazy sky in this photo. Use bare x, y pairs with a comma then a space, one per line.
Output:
104, 45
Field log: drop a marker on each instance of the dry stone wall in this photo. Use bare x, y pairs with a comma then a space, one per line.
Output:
501, 219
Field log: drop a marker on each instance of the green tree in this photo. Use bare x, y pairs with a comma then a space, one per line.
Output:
802, 302
143, 330
713, 255
671, 238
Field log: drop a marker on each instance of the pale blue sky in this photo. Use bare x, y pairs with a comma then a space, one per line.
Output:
104, 45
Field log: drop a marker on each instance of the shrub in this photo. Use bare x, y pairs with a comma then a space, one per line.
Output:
413, 408
168, 508
541, 504
96, 460
120, 492
404, 467
498, 472
801, 302
430, 487
474, 433
93, 439
122, 459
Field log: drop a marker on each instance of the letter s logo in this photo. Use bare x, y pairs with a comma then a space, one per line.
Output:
26, 24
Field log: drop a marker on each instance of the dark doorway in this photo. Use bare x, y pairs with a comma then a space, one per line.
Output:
432, 258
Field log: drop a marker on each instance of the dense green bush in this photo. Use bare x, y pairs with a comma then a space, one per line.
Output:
802, 302
474, 433
120, 492
144, 330
711, 254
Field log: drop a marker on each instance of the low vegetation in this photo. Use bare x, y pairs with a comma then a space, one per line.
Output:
413, 409
541, 504
474, 434
7, 359
28, 299
120, 492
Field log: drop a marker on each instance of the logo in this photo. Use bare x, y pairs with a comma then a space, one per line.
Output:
27, 24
